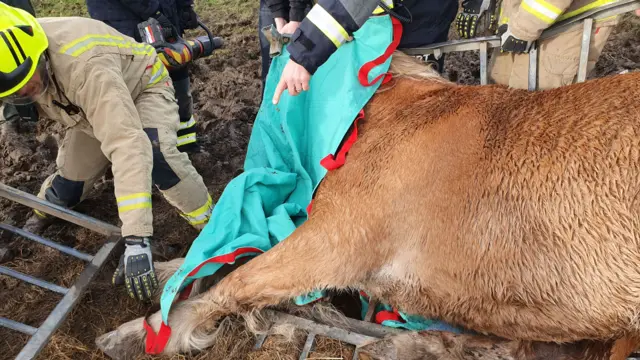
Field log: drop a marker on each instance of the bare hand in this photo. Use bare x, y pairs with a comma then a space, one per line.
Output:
295, 78
290, 28
638, 12
280, 23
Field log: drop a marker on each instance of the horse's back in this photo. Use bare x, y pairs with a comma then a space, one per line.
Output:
513, 212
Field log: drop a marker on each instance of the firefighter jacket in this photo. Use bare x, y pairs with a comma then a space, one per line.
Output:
326, 27
95, 73
330, 23
292, 10
527, 19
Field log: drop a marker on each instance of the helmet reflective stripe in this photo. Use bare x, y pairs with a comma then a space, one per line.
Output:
12, 47
17, 44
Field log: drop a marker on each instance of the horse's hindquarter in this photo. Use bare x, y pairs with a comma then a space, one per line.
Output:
509, 212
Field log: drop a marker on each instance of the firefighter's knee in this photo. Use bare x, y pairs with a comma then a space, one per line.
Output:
64, 192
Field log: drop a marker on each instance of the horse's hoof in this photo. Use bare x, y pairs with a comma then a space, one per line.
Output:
108, 344
120, 346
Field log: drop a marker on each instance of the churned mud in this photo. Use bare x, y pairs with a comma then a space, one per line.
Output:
227, 94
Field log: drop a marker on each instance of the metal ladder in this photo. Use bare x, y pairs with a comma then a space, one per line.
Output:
41, 335
484, 43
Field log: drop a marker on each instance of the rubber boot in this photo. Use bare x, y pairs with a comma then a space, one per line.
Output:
36, 224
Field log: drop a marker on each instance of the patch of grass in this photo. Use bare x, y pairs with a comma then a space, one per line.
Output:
45, 8
220, 9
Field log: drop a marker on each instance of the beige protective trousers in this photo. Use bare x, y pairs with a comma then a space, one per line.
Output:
558, 59
81, 162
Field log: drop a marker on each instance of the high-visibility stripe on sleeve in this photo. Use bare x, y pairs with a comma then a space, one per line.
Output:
133, 202
380, 10
319, 17
590, 6
187, 124
158, 72
542, 10
186, 139
200, 215
81, 45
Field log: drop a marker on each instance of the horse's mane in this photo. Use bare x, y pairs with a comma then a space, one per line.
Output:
403, 65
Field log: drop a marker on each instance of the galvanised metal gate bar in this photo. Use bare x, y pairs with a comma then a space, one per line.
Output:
483, 43
40, 336
356, 332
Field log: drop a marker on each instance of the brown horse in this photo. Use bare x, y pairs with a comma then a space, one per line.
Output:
508, 212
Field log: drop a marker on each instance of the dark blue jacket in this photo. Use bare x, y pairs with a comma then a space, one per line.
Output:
311, 47
125, 15
21, 4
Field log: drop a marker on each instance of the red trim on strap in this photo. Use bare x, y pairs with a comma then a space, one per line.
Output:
155, 344
226, 258
184, 294
309, 207
387, 316
363, 74
330, 162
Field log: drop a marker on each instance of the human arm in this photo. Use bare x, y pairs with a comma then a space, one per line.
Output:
188, 16
471, 13
297, 9
98, 88
296, 15
325, 28
278, 8
142, 8
533, 17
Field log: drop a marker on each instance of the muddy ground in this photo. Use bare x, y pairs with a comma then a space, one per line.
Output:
227, 92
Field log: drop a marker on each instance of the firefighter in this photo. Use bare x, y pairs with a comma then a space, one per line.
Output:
174, 16
520, 23
25, 112
324, 28
117, 103
286, 15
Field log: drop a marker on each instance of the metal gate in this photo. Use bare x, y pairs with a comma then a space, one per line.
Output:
41, 335
356, 332
484, 43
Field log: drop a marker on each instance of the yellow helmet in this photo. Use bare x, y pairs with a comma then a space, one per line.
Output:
22, 46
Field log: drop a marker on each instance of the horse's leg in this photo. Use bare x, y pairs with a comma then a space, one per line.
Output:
449, 346
325, 252
166, 269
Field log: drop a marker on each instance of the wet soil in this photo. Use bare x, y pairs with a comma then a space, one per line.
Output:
227, 95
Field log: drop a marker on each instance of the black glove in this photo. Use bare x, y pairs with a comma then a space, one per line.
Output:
510, 43
168, 30
189, 18
472, 11
136, 269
